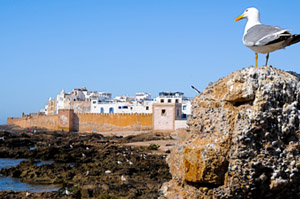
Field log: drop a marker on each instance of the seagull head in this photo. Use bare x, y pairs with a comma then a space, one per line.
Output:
249, 13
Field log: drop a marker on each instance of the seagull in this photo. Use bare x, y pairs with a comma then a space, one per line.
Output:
264, 38
27, 194
123, 179
67, 192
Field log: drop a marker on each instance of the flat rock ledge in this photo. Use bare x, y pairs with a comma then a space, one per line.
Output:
244, 139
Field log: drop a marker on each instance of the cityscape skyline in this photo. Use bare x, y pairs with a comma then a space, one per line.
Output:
126, 47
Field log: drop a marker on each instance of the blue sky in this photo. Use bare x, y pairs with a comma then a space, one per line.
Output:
127, 46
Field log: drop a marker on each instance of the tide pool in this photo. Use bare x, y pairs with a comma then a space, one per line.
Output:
15, 184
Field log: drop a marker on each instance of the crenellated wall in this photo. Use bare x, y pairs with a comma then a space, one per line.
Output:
42, 121
67, 120
112, 122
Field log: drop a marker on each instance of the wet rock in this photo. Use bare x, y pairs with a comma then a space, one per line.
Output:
95, 175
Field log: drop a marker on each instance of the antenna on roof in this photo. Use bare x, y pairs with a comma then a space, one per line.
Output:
195, 89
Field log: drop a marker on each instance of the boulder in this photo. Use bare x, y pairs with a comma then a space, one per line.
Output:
244, 140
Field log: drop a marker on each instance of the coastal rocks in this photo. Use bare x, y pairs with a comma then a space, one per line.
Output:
25, 194
85, 165
245, 131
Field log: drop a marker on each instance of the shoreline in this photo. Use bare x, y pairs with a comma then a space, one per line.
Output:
103, 165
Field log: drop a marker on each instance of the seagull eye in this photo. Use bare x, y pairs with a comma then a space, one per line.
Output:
247, 10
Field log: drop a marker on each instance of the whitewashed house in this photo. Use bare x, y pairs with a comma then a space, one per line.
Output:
84, 101
141, 103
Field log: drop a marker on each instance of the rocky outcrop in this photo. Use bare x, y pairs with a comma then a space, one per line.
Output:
244, 139
87, 165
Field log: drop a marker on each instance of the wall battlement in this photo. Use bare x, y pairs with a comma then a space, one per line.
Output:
67, 120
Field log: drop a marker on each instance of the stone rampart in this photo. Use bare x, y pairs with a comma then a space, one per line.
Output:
112, 122
42, 121
85, 122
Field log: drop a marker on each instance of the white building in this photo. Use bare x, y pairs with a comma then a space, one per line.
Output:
142, 96
84, 101
141, 103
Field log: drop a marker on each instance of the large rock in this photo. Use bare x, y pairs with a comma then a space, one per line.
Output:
245, 139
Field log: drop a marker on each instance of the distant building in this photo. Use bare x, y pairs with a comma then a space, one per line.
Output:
84, 101
69, 111
79, 100
51, 107
141, 103
176, 97
165, 116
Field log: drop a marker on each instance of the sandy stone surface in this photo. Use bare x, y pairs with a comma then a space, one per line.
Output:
244, 139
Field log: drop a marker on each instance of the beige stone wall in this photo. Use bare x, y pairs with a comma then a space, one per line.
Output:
51, 107
181, 124
112, 122
42, 121
81, 106
164, 117
67, 120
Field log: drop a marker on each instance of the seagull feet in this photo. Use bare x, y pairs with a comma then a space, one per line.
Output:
256, 57
267, 59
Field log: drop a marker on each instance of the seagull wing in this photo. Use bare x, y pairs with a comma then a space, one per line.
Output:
262, 35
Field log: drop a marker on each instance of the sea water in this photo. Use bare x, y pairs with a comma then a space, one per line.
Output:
15, 184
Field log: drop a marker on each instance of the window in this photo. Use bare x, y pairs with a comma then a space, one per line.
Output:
147, 108
184, 116
94, 102
184, 107
176, 101
163, 112
125, 107
83, 108
161, 101
111, 110
120, 107
169, 101
101, 110
89, 108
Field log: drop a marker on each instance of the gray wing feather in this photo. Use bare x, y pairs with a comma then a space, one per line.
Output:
260, 35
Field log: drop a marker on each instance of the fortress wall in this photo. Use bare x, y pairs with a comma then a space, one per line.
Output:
41, 121
85, 122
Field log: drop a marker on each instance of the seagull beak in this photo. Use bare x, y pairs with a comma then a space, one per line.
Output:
240, 17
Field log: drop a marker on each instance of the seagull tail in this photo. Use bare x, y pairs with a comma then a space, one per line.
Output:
295, 39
